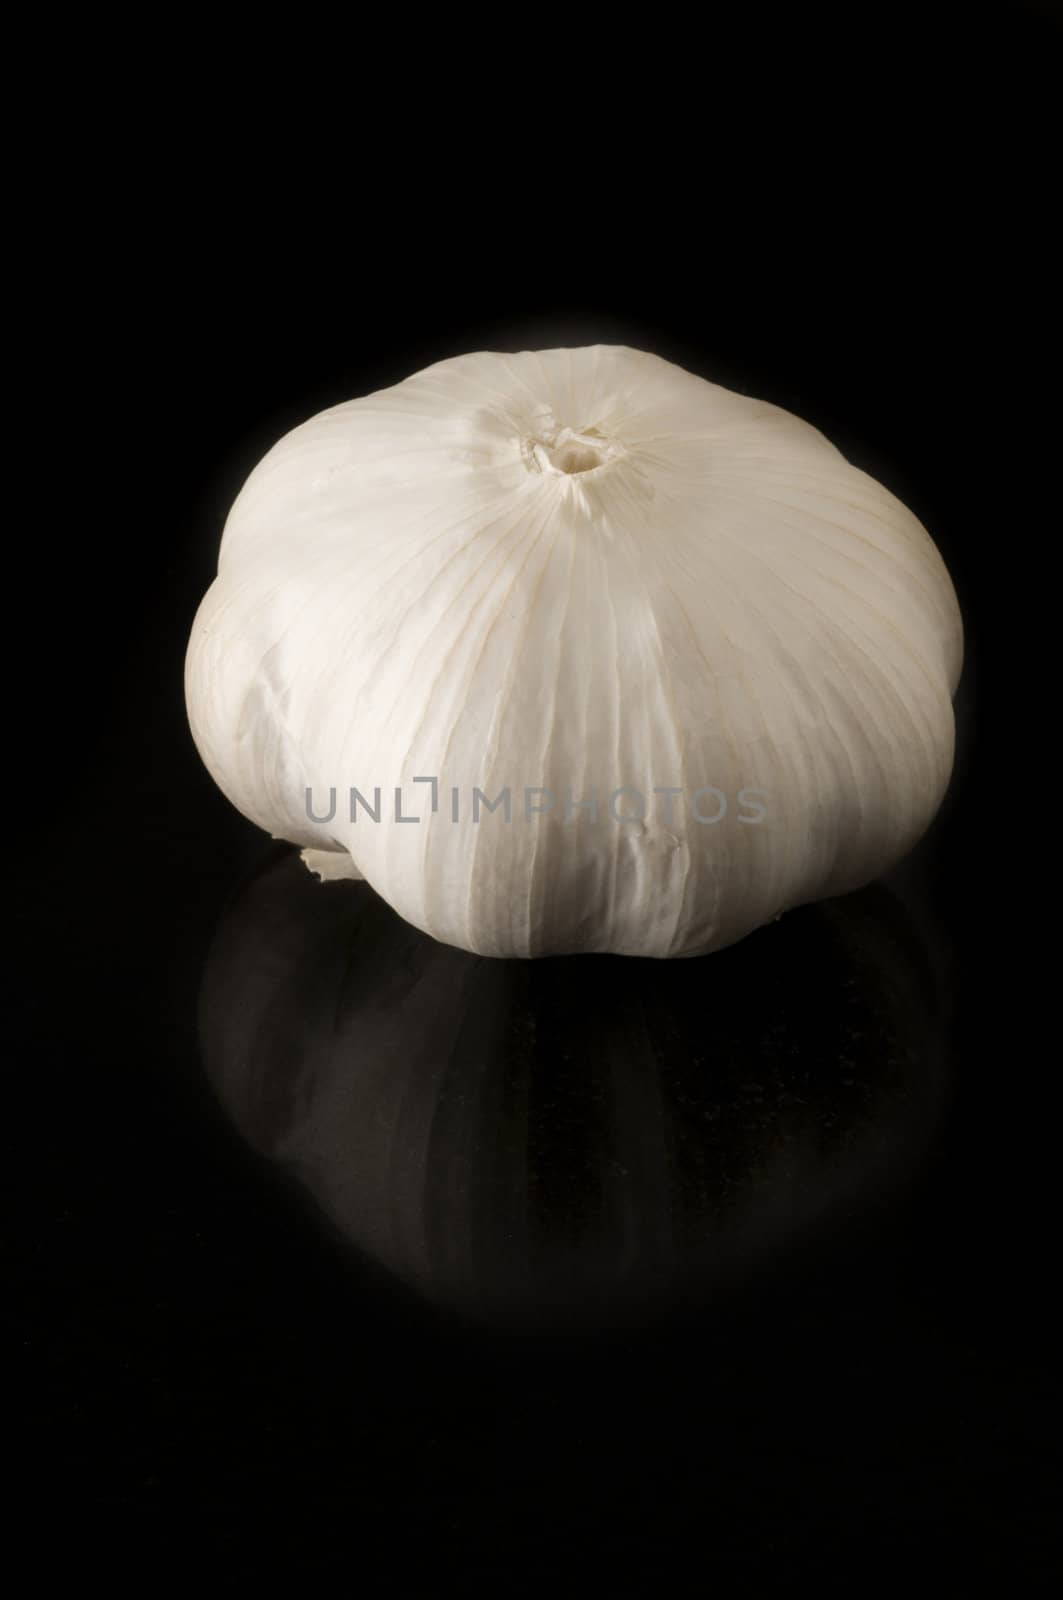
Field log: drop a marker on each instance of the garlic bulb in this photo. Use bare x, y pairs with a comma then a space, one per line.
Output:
574, 651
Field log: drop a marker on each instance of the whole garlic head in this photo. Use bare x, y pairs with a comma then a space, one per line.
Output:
710, 663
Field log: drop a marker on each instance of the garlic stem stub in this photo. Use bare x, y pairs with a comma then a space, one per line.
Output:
572, 651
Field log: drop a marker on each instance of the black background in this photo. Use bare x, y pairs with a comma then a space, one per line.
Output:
859, 232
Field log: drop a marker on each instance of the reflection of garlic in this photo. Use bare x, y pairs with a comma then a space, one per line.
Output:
419, 1095
578, 571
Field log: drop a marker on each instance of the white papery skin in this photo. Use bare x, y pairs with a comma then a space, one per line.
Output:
578, 570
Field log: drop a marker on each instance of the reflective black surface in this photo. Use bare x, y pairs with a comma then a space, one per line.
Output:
336, 1260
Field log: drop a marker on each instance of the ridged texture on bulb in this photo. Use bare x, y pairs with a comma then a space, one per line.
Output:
578, 570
